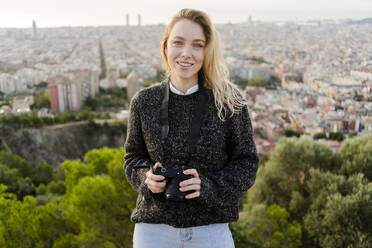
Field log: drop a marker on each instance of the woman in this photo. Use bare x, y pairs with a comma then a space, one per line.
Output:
195, 120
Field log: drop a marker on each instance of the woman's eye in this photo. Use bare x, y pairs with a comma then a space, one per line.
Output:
198, 45
177, 43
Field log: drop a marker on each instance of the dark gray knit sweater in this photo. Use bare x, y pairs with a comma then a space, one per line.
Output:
225, 158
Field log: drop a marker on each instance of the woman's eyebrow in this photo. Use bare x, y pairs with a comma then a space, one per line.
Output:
199, 40
181, 38
178, 37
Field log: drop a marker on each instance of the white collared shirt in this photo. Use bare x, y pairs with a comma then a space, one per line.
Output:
193, 89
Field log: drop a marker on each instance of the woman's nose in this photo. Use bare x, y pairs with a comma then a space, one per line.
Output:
186, 52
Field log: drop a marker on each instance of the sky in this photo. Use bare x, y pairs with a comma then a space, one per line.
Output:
54, 13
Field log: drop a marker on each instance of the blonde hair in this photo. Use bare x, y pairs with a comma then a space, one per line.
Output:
214, 71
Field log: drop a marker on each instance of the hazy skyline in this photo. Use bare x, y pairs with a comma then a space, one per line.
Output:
53, 13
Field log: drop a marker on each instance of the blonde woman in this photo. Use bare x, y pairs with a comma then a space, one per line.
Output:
190, 154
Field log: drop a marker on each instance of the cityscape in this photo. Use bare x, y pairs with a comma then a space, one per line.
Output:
324, 69
64, 97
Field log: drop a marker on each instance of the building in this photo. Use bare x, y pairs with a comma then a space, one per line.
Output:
7, 83
250, 72
251, 93
64, 94
68, 92
132, 84
21, 104
88, 82
128, 20
34, 29
139, 20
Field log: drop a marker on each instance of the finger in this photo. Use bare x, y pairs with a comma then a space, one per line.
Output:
193, 195
192, 172
156, 190
156, 185
158, 164
190, 187
190, 181
154, 177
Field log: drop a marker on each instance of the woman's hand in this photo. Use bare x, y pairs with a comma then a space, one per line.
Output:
191, 184
155, 183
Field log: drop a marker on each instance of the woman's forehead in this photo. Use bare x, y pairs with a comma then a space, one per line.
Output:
187, 30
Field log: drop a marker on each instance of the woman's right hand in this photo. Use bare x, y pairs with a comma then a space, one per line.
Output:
155, 183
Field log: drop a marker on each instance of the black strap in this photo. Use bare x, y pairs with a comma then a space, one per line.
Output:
164, 120
196, 122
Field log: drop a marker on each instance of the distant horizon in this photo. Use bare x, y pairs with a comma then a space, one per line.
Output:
84, 13
157, 24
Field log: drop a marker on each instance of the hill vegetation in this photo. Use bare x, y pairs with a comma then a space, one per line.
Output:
304, 196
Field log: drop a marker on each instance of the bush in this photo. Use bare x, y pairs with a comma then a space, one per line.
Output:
320, 136
57, 188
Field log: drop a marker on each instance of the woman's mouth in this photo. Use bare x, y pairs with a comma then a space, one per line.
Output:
184, 64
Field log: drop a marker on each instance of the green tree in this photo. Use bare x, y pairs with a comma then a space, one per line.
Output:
340, 210
287, 170
42, 100
356, 156
55, 230
352, 135
292, 133
43, 174
84, 115
339, 136
321, 135
91, 103
270, 227
41, 190
14, 161
56, 187
9, 177
304, 177
101, 209
25, 188
18, 221
100, 199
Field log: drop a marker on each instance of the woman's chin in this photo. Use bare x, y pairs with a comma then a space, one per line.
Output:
187, 76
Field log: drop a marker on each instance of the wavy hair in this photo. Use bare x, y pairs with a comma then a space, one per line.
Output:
214, 71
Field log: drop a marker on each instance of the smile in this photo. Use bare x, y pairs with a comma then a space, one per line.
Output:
184, 64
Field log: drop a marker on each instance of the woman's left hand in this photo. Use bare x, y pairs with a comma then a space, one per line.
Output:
191, 184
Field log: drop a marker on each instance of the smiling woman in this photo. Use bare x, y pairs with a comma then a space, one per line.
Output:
190, 153
185, 53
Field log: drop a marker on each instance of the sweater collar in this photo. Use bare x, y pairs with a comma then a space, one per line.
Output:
191, 90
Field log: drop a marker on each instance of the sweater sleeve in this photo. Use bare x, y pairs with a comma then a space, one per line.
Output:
136, 154
238, 175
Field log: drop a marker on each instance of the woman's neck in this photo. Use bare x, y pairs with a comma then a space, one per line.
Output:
183, 85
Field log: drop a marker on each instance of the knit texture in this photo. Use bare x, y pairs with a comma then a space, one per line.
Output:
225, 158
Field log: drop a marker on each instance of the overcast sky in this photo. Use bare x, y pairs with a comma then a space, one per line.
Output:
52, 13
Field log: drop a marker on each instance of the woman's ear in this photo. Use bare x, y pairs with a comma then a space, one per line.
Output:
166, 50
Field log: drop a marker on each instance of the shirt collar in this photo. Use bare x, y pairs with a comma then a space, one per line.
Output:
193, 89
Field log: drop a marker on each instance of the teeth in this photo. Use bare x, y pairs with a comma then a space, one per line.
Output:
184, 64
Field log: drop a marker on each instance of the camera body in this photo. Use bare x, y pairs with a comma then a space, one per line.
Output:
174, 176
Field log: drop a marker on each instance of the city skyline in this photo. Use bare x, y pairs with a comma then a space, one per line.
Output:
53, 13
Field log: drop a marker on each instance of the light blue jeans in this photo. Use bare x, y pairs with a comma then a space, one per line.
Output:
165, 236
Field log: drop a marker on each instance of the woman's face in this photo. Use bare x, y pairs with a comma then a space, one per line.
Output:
185, 50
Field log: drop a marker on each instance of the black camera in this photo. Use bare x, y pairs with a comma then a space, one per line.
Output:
174, 176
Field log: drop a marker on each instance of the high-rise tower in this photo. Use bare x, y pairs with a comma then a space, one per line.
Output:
139, 19
34, 28
128, 24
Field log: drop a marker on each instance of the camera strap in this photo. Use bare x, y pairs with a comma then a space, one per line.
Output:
196, 122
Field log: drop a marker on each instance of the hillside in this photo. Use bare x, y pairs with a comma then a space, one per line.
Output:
55, 144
